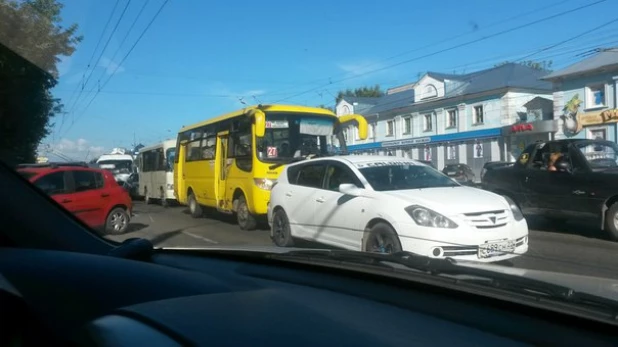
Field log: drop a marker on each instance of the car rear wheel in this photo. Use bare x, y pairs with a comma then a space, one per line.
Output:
611, 222
245, 219
194, 207
281, 232
382, 238
117, 221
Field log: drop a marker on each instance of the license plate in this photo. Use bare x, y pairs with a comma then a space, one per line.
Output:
494, 249
451, 173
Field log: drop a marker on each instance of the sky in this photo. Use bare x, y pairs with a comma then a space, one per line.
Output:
199, 59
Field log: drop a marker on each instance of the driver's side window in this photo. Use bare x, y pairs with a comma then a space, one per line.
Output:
338, 174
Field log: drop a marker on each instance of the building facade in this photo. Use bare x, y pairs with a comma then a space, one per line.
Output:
585, 97
449, 119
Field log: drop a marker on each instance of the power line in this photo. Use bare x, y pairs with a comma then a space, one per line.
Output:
122, 61
502, 21
572, 38
109, 19
139, 14
506, 31
109, 39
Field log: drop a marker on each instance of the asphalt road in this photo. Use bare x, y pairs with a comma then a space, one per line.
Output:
574, 248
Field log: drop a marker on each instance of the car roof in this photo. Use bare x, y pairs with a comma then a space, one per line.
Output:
362, 160
44, 168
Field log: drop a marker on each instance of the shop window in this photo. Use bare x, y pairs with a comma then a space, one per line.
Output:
428, 122
451, 121
390, 128
407, 126
595, 95
478, 114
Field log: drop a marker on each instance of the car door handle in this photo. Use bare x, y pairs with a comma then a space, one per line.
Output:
578, 192
64, 201
320, 200
288, 194
104, 195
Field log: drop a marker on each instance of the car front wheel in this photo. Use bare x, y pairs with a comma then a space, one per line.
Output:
281, 232
117, 221
382, 238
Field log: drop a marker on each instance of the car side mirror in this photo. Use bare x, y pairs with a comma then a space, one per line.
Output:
350, 189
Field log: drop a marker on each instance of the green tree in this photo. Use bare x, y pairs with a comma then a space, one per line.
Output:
368, 92
32, 43
538, 65
330, 108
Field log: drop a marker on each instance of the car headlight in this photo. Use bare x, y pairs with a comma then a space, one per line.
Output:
514, 208
429, 218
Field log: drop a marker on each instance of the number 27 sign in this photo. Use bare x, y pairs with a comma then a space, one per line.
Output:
271, 152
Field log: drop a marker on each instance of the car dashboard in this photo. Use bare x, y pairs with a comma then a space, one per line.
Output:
194, 299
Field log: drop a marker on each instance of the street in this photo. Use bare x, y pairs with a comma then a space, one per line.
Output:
577, 248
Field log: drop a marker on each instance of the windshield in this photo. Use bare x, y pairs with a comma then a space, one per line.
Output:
402, 177
116, 166
465, 87
599, 155
291, 136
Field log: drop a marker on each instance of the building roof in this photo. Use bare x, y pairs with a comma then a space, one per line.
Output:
606, 58
511, 75
361, 100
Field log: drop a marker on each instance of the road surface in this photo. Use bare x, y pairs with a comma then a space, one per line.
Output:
576, 248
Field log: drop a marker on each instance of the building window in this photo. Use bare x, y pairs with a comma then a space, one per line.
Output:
407, 126
372, 131
428, 122
429, 92
478, 114
595, 96
452, 119
356, 134
390, 128
345, 110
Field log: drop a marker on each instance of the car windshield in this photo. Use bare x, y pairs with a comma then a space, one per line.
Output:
116, 166
291, 136
235, 121
402, 177
599, 155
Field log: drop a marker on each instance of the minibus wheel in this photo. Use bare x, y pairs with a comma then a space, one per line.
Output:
245, 219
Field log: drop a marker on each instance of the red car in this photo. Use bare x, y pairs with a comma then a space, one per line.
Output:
92, 195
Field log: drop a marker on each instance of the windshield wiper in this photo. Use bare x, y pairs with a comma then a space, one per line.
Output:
450, 267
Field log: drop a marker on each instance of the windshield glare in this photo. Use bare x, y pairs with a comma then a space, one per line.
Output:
170, 156
116, 166
401, 177
291, 136
600, 155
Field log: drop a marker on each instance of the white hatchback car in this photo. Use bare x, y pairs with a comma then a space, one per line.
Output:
389, 204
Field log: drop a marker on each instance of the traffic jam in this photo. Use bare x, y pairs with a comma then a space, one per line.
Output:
368, 203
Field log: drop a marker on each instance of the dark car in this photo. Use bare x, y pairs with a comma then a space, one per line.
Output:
579, 184
490, 165
462, 173
92, 195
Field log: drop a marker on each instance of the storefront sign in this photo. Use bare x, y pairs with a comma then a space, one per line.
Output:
544, 126
596, 118
406, 142
522, 127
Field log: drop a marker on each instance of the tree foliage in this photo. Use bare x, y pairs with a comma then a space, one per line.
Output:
368, 92
537, 65
32, 41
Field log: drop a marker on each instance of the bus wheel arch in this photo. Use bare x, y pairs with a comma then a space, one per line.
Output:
246, 220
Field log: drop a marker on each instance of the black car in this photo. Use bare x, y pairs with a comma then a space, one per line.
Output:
462, 173
563, 180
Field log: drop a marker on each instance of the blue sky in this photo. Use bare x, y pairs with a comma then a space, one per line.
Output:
199, 57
